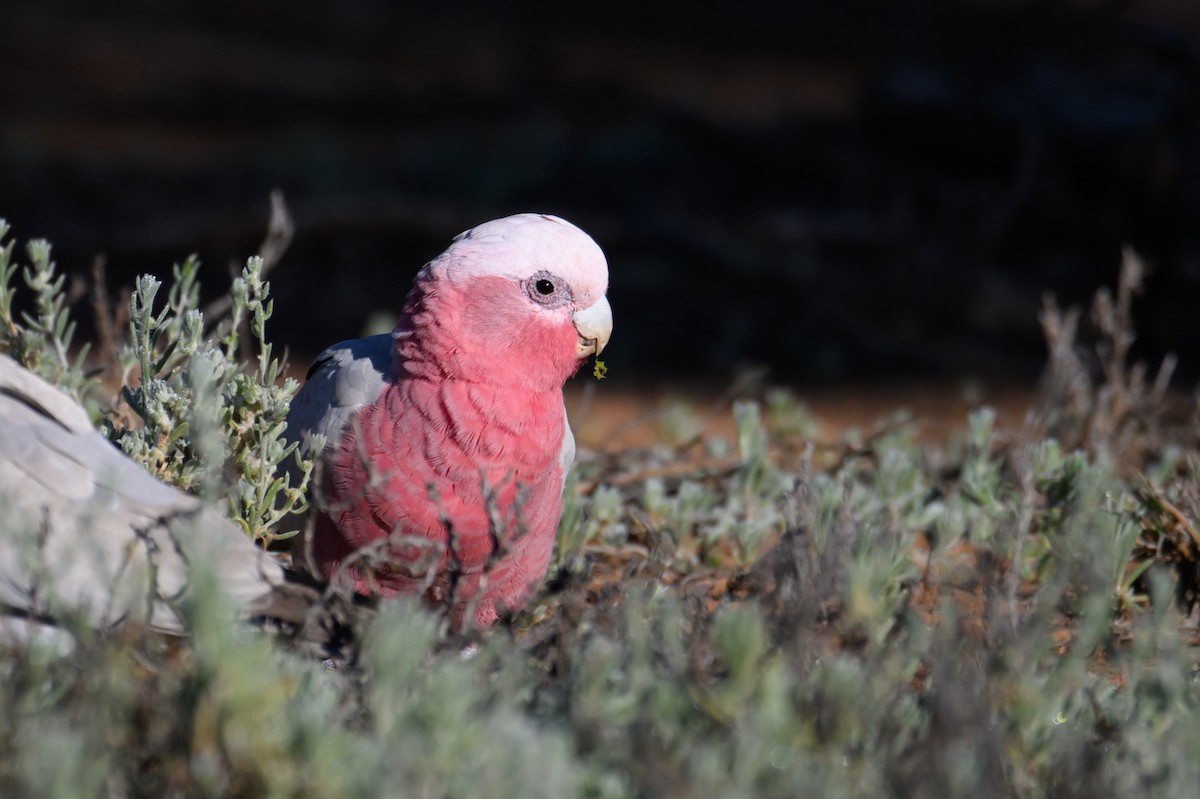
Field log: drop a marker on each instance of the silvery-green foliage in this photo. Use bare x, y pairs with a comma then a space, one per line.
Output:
606, 521
788, 416
570, 536
991, 618
444, 726
760, 486
170, 349
163, 363
41, 340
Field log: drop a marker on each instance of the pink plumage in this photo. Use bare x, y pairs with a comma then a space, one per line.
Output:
447, 442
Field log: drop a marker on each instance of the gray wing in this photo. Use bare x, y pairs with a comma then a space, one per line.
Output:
342, 379
86, 530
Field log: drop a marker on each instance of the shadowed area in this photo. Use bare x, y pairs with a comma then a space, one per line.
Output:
842, 190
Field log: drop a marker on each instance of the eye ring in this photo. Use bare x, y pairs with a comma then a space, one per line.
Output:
548, 290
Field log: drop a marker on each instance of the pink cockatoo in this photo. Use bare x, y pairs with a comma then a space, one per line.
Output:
447, 442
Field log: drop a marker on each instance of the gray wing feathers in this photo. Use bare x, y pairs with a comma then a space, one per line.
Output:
342, 379
87, 530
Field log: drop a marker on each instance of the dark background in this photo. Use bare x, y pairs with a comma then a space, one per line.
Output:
839, 189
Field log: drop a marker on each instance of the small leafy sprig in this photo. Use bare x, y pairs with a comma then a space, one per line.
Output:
41, 340
178, 367
255, 406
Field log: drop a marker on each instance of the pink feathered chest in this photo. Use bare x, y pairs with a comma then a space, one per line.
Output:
449, 488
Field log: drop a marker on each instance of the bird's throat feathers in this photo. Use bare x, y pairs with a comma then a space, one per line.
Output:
483, 331
479, 374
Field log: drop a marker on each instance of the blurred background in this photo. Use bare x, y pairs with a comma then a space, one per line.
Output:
839, 191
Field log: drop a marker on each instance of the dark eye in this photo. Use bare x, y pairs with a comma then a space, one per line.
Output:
548, 290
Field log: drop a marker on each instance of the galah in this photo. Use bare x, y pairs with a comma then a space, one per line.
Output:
446, 441
87, 532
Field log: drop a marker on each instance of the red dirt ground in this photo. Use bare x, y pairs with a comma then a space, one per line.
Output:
611, 417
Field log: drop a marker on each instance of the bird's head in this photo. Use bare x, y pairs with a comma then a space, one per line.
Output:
519, 299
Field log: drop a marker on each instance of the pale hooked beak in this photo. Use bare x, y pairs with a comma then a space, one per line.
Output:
594, 325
